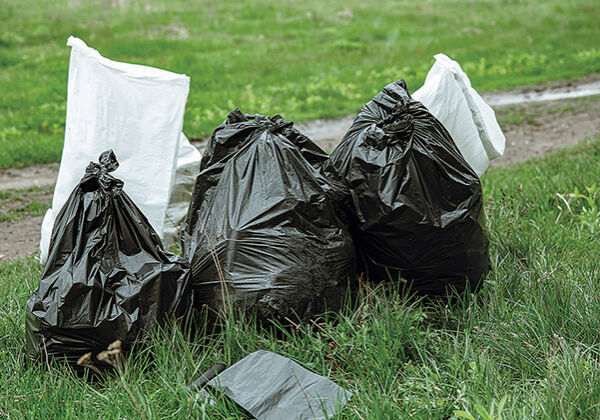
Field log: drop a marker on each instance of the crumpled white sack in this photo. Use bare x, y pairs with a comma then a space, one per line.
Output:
448, 95
138, 112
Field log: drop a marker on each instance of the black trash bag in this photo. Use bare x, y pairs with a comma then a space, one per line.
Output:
107, 276
416, 204
265, 223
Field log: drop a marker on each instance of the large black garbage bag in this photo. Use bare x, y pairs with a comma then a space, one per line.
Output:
107, 276
263, 231
416, 203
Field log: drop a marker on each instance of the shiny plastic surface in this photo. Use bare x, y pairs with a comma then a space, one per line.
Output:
264, 228
107, 276
416, 204
272, 387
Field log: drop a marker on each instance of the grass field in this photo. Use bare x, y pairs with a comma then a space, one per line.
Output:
304, 59
526, 346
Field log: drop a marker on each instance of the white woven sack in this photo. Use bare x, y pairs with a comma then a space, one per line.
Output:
448, 95
138, 112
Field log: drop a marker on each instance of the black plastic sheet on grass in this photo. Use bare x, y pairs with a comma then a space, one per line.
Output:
272, 387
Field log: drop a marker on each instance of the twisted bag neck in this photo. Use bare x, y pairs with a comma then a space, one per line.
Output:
392, 115
272, 124
396, 128
97, 175
275, 124
399, 123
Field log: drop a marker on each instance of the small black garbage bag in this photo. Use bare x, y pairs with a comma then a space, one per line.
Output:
416, 204
272, 387
107, 276
264, 230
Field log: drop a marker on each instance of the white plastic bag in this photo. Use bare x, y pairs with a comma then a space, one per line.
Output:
448, 95
138, 112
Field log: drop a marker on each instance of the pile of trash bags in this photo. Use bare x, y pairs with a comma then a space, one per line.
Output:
271, 224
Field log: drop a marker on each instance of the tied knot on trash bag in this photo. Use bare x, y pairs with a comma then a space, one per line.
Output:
97, 175
277, 123
273, 124
399, 123
396, 124
396, 128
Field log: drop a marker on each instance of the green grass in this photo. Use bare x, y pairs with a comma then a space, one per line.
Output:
302, 59
527, 344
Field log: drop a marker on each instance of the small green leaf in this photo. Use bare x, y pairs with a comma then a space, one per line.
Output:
463, 414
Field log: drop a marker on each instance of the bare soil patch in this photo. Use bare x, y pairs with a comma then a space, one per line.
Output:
536, 128
20, 238
553, 91
36, 175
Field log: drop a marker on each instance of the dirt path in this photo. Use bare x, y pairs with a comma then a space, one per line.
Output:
534, 129
36, 175
531, 129
20, 238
